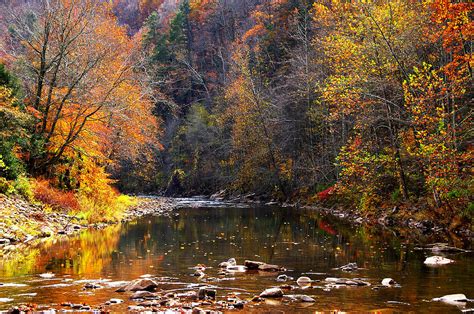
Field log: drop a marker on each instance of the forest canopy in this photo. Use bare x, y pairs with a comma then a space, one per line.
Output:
362, 104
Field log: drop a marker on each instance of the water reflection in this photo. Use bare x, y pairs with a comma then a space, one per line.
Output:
301, 240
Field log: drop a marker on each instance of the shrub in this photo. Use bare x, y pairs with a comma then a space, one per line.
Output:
23, 187
6, 187
56, 198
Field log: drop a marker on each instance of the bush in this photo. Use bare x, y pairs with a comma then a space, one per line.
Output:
6, 187
56, 198
23, 187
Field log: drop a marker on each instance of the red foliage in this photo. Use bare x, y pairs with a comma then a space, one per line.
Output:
54, 197
324, 195
326, 227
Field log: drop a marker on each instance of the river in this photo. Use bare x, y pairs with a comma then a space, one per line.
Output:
302, 241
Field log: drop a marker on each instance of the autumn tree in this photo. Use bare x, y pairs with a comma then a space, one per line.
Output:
77, 68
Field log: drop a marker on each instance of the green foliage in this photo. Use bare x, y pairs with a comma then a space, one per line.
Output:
6, 187
23, 187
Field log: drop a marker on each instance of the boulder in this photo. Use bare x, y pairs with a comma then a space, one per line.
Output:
437, 260
272, 293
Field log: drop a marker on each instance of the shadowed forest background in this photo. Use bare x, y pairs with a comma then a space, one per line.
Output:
365, 105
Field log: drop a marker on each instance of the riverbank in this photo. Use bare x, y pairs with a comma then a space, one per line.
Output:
411, 221
23, 222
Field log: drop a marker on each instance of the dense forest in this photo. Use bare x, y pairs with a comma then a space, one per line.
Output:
360, 104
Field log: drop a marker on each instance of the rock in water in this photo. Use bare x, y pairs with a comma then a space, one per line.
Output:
270, 268
283, 278
206, 293
272, 293
229, 262
92, 285
300, 298
438, 260
147, 295
346, 281
303, 281
388, 282
349, 267
252, 265
452, 298
47, 275
139, 285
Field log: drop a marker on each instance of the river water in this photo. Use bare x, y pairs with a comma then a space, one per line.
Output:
302, 241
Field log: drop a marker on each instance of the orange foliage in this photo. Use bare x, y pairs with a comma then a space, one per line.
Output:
56, 198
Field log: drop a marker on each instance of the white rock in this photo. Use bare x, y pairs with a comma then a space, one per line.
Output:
388, 282
47, 275
303, 281
236, 268
229, 262
272, 293
438, 260
452, 298
5, 300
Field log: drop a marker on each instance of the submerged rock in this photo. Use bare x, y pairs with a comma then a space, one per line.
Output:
114, 301
144, 295
272, 293
299, 298
346, 281
438, 260
92, 285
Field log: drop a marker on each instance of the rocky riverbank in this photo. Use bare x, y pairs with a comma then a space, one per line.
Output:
23, 222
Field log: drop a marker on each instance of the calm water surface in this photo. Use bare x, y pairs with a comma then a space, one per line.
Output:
300, 240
